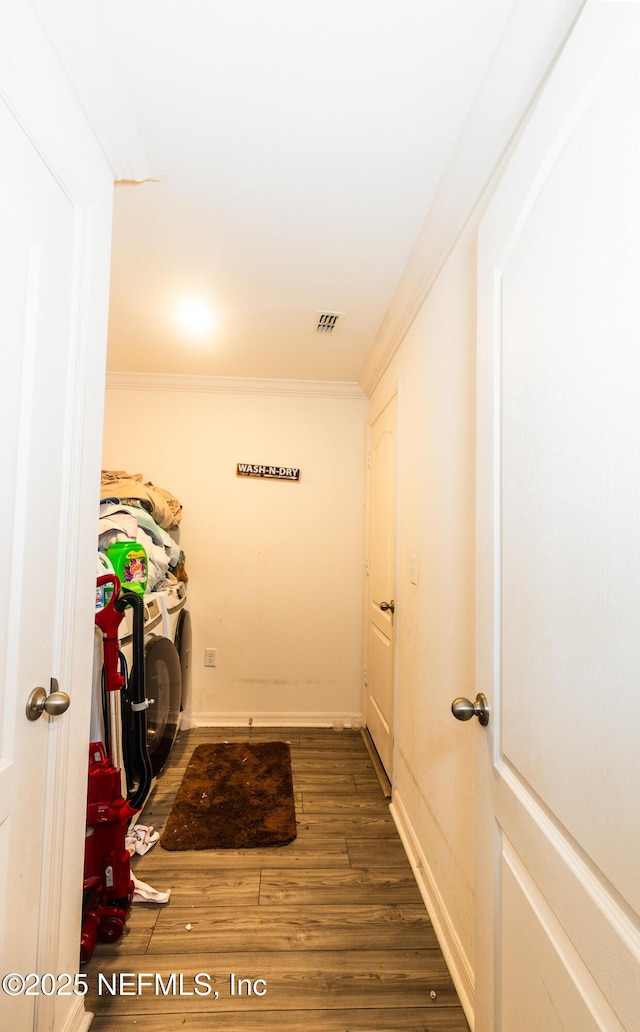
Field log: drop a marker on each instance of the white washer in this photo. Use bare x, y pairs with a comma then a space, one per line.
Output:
153, 624
171, 601
177, 627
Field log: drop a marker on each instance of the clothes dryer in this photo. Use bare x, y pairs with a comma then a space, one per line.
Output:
177, 628
182, 642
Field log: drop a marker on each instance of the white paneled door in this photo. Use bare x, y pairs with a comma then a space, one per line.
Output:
381, 583
55, 221
37, 247
559, 551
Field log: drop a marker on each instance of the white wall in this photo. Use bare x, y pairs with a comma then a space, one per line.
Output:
275, 568
434, 774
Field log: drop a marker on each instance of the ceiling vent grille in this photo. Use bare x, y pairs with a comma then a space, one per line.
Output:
327, 323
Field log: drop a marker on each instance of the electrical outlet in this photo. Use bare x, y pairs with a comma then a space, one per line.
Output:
209, 657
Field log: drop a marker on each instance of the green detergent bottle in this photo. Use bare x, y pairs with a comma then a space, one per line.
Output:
129, 561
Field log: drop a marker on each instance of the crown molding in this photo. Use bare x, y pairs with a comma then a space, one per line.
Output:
234, 385
531, 42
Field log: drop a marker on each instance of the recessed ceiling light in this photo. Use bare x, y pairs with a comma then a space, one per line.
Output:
194, 317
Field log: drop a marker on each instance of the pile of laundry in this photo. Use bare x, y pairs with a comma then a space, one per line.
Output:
131, 510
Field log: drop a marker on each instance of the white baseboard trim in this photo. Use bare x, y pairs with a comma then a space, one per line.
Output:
79, 1019
338, 721
457, 961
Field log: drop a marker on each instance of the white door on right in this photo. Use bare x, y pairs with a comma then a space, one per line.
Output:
558, 651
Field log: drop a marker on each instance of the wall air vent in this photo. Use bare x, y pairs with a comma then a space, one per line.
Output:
327, 323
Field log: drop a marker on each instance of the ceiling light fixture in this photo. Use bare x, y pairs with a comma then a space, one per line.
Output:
194, 317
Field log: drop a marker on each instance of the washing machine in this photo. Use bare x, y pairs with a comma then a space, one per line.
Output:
163, 680
177, 628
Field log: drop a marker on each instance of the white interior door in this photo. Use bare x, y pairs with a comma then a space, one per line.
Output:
381, 583
38, 268
559, 551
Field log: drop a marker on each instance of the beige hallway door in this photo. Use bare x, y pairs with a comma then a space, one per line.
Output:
381, 583
558, 597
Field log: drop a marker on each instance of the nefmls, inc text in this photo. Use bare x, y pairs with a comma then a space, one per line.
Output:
137, 983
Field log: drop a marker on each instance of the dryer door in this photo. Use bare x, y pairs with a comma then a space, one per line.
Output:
183, 645
163, 685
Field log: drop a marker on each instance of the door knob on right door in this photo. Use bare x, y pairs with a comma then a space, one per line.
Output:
464, 709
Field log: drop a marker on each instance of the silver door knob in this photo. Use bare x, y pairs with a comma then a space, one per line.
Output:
464, 709
55, 703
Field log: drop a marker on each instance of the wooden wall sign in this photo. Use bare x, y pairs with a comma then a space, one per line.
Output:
247, 469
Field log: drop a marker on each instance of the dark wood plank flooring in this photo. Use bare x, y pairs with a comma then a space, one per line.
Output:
327, 934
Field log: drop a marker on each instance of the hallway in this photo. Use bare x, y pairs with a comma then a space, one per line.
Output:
333, 923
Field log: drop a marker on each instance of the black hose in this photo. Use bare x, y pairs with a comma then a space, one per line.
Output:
137, 697
105, 716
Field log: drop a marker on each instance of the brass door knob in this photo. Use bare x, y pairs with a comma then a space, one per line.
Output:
464, 709
55, 703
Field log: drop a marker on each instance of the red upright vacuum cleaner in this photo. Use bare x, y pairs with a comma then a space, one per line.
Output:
108, 886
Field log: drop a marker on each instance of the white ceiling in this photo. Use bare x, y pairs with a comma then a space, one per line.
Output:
297, 146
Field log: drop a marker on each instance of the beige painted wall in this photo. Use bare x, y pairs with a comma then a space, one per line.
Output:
434, 759
275, 568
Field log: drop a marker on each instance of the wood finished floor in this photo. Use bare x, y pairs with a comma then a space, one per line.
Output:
333, 924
